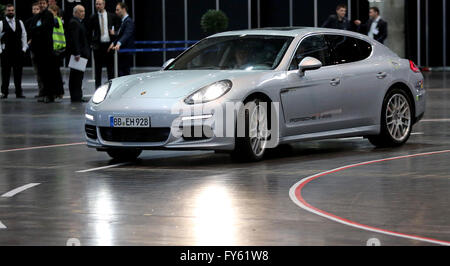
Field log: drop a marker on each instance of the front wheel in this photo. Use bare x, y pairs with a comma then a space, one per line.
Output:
396, 123
124, 155
252, 146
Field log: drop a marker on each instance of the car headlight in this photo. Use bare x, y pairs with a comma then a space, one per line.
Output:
210, 93
100, 93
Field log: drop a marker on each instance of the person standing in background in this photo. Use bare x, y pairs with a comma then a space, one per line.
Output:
101, 33
59, 49
338, 21
52, 3
125, 39
42, 47
376, 28
35, 11
14, 44
78, 46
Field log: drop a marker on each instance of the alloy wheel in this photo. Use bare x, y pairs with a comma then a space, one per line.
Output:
398, 117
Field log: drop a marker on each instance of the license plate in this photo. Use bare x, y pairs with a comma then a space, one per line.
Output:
131, 122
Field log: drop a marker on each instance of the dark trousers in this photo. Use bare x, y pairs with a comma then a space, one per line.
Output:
125, 62
38, 78
9, 61
57, 76
103, 59
46, 65
75, 85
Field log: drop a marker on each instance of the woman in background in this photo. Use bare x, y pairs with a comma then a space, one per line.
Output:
59, 49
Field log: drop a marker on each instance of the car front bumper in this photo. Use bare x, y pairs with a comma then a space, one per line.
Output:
169, 130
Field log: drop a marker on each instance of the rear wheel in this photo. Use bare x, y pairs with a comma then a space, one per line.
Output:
252, 146
396, 123
124, 155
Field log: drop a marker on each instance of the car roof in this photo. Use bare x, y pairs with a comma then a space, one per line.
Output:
286, 31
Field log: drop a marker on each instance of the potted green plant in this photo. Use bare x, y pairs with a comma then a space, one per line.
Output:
2, 11
214, 21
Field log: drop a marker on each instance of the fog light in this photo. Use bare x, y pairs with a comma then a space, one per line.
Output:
89, 117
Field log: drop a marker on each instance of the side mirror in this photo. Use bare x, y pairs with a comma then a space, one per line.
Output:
168, 62
307, 64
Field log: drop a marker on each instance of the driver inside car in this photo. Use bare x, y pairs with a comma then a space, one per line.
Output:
241, 57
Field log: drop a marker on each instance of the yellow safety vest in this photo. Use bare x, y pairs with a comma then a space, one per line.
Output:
59, 39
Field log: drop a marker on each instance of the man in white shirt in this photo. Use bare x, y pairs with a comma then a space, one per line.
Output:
12, 49
376, 28
102, 25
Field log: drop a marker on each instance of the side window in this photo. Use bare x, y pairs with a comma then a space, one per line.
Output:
346, 49
314, 46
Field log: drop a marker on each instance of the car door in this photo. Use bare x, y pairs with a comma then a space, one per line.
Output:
312, 102
362, 79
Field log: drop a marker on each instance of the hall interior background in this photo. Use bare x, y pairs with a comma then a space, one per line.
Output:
158, 20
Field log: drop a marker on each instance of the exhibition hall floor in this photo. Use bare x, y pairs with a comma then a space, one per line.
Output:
54, 190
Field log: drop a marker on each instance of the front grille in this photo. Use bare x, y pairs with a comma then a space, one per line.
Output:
91, 132
135, 134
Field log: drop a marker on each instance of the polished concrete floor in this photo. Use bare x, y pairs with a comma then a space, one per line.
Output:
202, 198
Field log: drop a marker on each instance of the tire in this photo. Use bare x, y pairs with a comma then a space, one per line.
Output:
396, 120
124, 155
252, 147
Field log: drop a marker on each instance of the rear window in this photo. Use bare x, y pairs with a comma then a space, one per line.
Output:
346, 49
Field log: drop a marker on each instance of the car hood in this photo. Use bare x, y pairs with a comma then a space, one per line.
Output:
169, 84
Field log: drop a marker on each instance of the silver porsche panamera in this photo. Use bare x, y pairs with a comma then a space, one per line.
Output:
244, 92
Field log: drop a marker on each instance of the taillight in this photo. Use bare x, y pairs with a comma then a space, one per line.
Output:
414, 67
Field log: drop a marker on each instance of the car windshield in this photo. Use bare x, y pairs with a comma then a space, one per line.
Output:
247, 52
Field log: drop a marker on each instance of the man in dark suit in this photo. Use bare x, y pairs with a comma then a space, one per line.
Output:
376, 28
35, 9
78, 46
12, 50
338, 21
125, 39
101, 33
41, 41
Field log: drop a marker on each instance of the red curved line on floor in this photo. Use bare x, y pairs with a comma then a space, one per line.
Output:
304, 182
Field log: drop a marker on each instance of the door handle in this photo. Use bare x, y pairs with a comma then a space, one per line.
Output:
335, 81
381, 75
